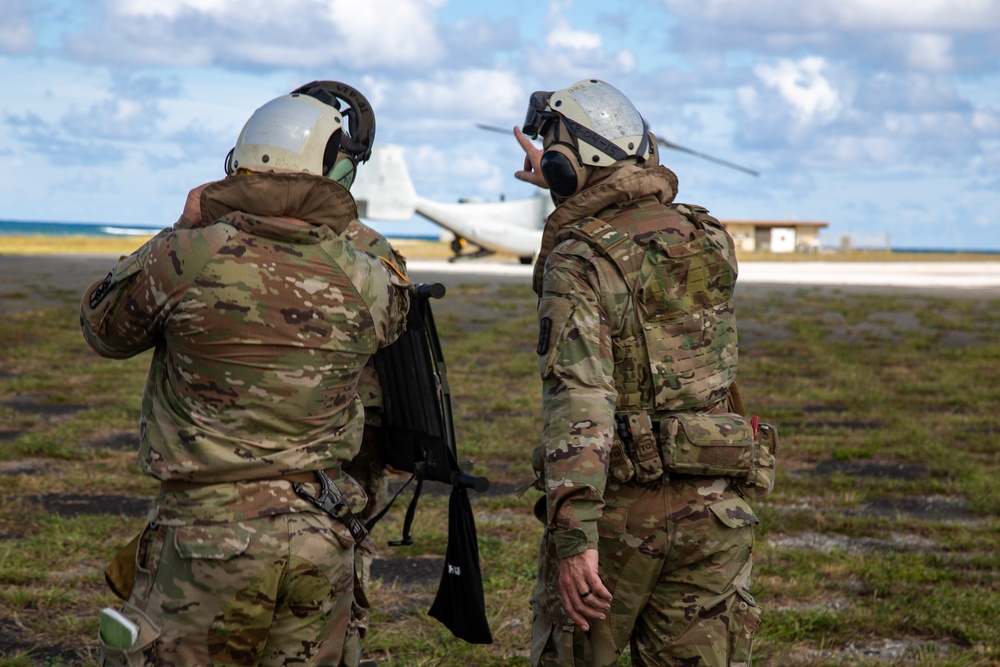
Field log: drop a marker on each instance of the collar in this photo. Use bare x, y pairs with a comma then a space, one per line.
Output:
317, 201
626, 183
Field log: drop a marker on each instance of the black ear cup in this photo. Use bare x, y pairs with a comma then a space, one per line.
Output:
563, 171
653, 156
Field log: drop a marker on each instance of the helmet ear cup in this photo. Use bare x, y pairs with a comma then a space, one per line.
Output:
344, 170
563, 170
653, 157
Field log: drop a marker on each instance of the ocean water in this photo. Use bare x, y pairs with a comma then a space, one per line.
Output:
416, 229
18, 228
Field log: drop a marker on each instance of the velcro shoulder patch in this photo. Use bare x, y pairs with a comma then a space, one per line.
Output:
544, 331
101, 291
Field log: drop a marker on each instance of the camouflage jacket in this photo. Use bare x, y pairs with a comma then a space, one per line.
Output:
599, 353
261, 317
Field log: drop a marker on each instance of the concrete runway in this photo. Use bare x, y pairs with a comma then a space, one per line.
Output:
978, 278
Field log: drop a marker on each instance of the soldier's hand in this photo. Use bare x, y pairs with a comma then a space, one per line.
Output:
583, 593
532, 171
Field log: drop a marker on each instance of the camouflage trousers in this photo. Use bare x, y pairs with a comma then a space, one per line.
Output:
271, 591
676, 557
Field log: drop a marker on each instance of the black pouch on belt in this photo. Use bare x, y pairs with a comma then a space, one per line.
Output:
620, 466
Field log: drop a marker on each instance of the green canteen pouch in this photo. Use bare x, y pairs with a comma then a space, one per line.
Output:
760, 480
708, 445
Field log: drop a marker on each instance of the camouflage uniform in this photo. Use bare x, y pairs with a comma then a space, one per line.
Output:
261, 317
674, 550
367, 467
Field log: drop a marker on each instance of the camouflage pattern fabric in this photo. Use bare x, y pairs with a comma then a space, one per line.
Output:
676, 555
271, 591
708, 444
602, 350
262, 317
370, 472
260, 328
366, 467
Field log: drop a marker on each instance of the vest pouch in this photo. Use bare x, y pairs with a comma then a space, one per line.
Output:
620, 466
688, 321
709, 445
760, 480
648, 465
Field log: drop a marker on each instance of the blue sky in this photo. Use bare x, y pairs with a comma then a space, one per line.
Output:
880, 117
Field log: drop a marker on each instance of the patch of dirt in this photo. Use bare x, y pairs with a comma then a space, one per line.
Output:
439, 489
936, 508
875, 651
850, 425
24, 467
31, 405
829, 542
74, 504
408, 571
752, 332
13, 642
122, 441
877, 469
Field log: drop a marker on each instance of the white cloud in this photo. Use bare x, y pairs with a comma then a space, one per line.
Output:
803, 86
170, 9
16, 34
849, 15
929, 52
470, 93
570, 54
564, 36
297, 33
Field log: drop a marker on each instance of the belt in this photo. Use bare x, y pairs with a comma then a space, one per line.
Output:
305, 477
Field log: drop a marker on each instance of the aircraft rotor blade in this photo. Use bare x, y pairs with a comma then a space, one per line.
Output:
662, 142
494, 128
670, 144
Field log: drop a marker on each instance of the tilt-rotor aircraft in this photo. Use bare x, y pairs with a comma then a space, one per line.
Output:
384, 191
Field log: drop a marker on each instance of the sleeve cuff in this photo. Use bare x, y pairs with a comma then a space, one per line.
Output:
574, 541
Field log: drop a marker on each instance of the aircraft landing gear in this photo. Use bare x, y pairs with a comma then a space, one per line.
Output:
458, 244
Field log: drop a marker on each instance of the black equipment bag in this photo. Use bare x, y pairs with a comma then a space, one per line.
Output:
459, 602
418, 436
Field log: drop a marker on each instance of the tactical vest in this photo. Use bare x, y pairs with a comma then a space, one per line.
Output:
677, 349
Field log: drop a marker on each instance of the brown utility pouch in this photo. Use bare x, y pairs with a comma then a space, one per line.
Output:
709, 445
619, 465
120, 572
648, 465
760, 480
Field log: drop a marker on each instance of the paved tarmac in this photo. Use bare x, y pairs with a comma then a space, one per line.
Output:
981, 279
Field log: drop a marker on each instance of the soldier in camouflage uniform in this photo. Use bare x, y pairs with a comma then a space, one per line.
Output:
636, 330
261, 315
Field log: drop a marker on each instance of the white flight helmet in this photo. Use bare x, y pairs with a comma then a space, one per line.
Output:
324, 128
590, 124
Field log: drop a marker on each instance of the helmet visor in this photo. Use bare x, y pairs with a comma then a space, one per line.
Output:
539, 118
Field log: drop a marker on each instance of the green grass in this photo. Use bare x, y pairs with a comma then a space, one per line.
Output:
898, 385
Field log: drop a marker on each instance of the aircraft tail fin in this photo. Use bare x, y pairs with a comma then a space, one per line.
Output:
383, 189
